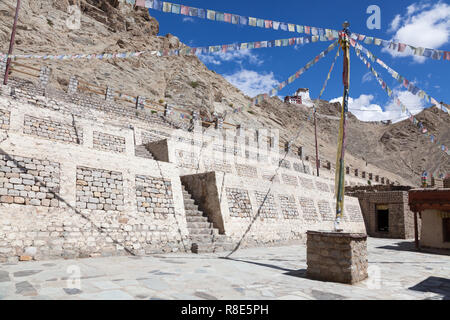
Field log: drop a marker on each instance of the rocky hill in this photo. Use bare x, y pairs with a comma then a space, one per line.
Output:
397, 150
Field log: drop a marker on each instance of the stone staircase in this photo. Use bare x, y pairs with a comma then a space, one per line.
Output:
141, 151
204, 237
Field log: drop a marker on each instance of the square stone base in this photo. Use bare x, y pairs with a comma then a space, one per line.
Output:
337, 256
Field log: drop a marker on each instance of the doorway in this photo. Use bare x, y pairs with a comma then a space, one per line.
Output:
382, 212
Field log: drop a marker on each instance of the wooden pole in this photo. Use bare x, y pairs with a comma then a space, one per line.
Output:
11, 44
340, 173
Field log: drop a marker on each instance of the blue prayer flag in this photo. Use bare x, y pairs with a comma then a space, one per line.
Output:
176, 8
193, 12
427, 53
157, 5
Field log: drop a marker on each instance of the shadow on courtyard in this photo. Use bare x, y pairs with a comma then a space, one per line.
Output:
410, 246
435, 285
300, 273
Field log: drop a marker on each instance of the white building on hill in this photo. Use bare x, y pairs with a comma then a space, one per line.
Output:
301, 96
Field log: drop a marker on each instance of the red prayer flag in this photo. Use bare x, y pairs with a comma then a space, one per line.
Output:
307, 29
227, 17
268, 24
185, 10
447, 55
401, 47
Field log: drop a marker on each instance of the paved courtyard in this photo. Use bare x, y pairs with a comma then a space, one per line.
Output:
395, 271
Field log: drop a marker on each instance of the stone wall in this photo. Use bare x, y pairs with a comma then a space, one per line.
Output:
401, 218
155, 197
267, 206
53, 130
29, 181
68, 200
337, 257
254, 211
4, 119
239, 203
288, 207
99, 189
108, 142
115, 203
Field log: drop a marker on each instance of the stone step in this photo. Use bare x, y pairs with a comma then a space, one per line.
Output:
196, 219
201, 238
199, 224
211, 247
188, 201
141, 151
190, 206
193, 213
203, 231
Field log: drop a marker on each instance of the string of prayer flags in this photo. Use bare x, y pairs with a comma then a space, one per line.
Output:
399, 103
99, 56
401, 47
185, 51
289, 27
402, 80
214, 15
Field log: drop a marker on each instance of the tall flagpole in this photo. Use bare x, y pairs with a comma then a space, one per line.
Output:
11, 44
340, 173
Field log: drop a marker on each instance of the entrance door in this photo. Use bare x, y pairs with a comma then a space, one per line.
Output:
446, 229
383, 218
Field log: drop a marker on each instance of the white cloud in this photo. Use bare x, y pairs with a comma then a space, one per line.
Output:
395, 23
367, 77
237, 56
188, 19
252, 83
365, 110
423, 25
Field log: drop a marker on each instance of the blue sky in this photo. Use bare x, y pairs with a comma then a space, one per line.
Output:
418, 23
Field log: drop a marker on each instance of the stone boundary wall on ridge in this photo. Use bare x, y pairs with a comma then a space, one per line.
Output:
91, 106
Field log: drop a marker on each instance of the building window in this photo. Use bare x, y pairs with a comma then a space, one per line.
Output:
446, 229
382, 212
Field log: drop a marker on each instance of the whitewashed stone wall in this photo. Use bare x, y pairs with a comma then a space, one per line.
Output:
50, 187
293, 209
108, 142
135, 222
53, 130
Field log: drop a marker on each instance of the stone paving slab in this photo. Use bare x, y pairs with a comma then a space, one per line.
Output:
256, 273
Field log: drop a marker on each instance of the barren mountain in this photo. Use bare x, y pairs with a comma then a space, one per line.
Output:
398, 150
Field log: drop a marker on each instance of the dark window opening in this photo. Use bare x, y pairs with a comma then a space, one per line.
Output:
446, 229
383, 218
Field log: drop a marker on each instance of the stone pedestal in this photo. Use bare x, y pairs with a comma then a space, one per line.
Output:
337, 256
